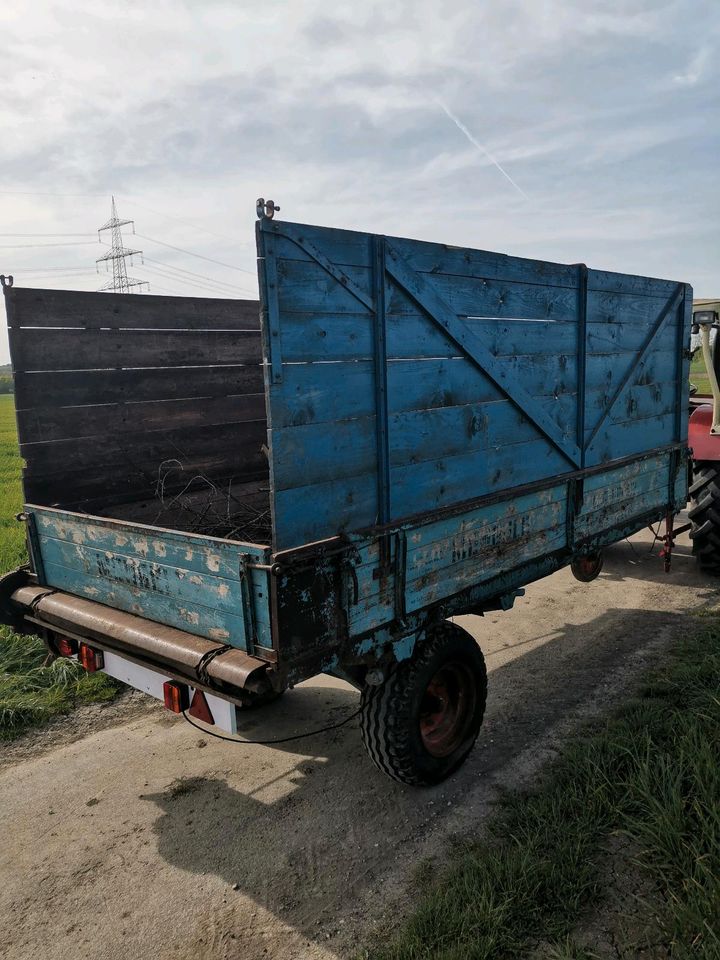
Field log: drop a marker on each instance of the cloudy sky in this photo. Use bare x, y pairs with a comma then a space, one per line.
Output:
571, 131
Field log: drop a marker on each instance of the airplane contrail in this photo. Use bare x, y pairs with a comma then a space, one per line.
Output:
476, 143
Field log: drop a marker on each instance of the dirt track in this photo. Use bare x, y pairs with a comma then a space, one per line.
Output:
148, 839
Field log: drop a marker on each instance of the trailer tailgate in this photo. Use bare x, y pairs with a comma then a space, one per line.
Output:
205, 586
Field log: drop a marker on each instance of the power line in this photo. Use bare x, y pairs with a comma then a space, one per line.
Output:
200, 276
46, 235
27, 246
192, 283
37, 193
230, 266
69, 266
188, 223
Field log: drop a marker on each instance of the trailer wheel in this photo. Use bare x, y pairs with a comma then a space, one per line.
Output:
704, 515
587, 566
421, 723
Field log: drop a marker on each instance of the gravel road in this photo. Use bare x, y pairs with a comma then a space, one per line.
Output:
126, 833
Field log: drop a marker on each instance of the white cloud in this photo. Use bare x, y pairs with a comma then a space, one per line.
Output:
196, 108
695, 69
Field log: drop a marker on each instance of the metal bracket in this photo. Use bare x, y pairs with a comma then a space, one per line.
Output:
6, 280
400, 577
248, 601
266, 209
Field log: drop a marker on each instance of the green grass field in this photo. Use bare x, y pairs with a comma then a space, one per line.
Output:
12, 533
32, 689
647, 779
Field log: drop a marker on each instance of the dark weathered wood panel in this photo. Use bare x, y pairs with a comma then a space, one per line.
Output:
53, 349
199, 448
64, 423
75, 308
109, 386
77, 388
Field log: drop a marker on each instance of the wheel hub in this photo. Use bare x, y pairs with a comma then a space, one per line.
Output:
447, 709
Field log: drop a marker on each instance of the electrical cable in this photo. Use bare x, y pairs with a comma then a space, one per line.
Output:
188, 223
227, 289
297, 736
46, 235
220, 263
196, 284
70, 243
200, 276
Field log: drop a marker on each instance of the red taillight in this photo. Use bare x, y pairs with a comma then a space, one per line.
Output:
176, 696
92, 660
66, 646
199, 708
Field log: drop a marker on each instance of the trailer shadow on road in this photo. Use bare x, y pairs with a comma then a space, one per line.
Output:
307, 843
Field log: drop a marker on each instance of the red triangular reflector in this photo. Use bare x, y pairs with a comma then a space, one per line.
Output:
199, 708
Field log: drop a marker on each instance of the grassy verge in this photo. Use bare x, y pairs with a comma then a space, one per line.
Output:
698, 374
650, 774
32, 690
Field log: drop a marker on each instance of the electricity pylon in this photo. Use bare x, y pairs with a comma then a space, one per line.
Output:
117, 254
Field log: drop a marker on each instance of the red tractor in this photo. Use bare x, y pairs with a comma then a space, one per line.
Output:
704, 441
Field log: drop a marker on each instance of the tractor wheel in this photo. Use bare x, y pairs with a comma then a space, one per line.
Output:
704, 515
420, 724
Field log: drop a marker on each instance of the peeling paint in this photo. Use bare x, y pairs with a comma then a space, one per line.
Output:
217, 633
213, 562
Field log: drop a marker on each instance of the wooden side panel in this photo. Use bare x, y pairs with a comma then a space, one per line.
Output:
112, 388
186, 581
499, 546
495, 372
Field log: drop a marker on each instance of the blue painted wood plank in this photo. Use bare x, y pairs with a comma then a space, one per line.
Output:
623, 440
352, 248
618, 514
325, 451
205, 555
450, 437
472, 346
312, 512
499, 558
201, 621
197, 572
427, 486
182, 584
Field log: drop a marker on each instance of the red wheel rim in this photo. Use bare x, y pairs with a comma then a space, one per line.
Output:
447, 709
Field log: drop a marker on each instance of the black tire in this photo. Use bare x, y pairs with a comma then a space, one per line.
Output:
587, 566
704, 514
398, 726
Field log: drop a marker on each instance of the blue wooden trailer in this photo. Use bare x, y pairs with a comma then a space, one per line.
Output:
225, 498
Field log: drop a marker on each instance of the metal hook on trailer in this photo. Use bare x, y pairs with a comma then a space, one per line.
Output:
266, 209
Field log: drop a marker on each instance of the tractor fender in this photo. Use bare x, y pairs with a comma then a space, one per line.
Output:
704, 445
